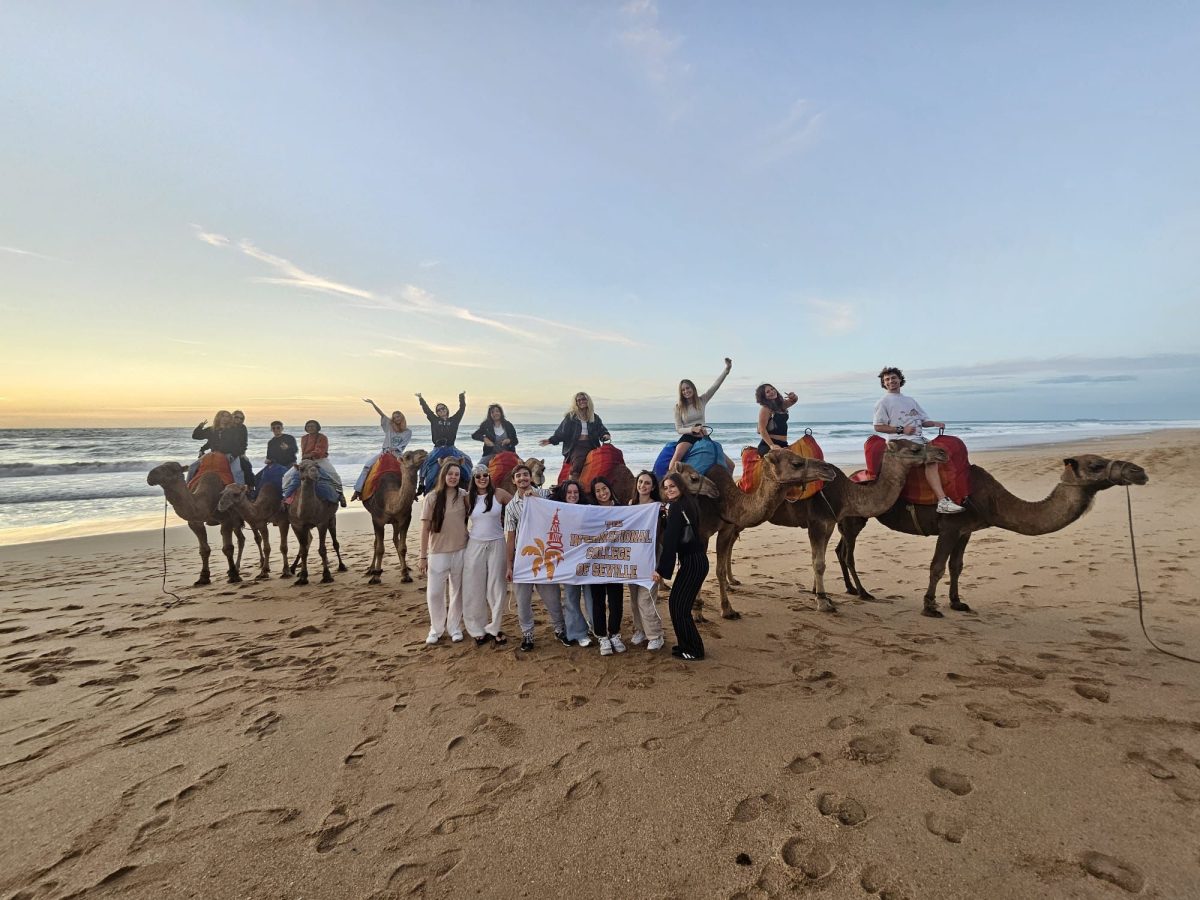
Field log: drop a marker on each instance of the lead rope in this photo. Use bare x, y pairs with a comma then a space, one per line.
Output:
178, 599
1138, 582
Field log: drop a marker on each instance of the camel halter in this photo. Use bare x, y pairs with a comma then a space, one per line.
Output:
1138, 582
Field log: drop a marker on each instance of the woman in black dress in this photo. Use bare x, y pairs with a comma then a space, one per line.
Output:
682, 542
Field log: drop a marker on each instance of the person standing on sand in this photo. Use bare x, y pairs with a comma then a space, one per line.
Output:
689, 414
396, 435
647, 623
608, 597
899, 416
443, 545
772, 417
681, 540
486, 559
575, 623
580, 432
523, 485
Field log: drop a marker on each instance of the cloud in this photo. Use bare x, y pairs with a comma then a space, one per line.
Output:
656, 51
216, 240
793, 134
1085, 379
549, 326
17, 251
429, 263
832, 317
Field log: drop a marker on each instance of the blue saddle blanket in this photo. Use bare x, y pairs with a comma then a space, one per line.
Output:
703, 455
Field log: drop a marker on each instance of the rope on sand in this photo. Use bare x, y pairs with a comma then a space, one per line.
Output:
1138, 581
178, 599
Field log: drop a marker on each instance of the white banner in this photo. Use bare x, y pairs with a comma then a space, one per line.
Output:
566, 543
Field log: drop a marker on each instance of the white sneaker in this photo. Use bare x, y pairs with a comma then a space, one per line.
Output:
456, 636
655, 644
637, 638
948, 506
617, 644
584, 642
433, 638
606, 647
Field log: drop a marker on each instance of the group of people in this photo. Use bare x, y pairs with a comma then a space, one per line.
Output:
468, 533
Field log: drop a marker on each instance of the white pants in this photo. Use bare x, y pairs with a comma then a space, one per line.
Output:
443, 567
484, 587
645, 614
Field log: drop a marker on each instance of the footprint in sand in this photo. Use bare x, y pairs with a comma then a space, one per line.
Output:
810, 859
873, 748
837, 723
355, 756
470, 816
1114, 871
501, 779
751, 808
267, 723
588, 786
336, 821
1092, 692
805, 763
1151, 765
983, 745
987, 714
948, 827
845, 810
721, 715
505, 732
573, 702
411, 878
930, 735
876, 880
953, 782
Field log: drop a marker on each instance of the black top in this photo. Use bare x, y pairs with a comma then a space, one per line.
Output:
238, 438
444, 431
776, 425
673, 544
486, 430
219, 440
282, 450
570, 431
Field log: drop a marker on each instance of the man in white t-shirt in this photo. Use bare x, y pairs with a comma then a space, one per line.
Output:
899, 416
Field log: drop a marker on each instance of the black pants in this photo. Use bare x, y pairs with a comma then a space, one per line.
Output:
578, 456
614, 593
693, 569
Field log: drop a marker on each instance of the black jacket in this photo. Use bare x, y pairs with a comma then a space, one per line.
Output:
282, 450
444, 431
570, 431
673, 545
218, 440
485, 430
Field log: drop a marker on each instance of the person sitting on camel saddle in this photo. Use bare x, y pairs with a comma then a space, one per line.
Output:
314, 446
496, 432
580, 432
898, 416
443, 431
221, 437
396, 435
689, 415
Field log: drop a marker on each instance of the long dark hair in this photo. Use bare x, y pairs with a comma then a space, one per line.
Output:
473, 493
439, 500
487, 420
654, 495
612, 495
560, 492
760, 395
686, 502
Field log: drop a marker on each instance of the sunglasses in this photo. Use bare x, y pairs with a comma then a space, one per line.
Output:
477, 477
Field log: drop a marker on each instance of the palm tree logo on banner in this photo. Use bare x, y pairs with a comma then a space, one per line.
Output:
548, 553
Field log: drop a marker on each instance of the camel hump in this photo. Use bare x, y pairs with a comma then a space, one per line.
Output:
955, 474
501, 464
600, 463
385, 464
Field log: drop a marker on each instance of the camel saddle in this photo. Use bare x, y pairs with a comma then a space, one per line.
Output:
217, 464
955, 473
600, 463
807, 447
385, 464
500, 464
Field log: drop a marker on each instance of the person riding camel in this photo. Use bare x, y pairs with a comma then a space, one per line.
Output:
580, 432
443, 431
396, 435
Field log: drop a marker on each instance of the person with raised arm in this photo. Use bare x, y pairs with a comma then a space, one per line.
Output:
580, 432
396, 435
689, 414
772, 417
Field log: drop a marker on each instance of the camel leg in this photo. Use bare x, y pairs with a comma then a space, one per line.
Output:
227, 549
241, 542
323, 531
956, 567
288, 569
376, 554
937, 568
303, 538
850, 529
819, 531
201, 533
262, 539
400, 540
726, 538
730, 581
337, 548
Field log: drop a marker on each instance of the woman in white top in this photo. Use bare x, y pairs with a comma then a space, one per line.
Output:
443, 545
396, 435
486, 560
689, 414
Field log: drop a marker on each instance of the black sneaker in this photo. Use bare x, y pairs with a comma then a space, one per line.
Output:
527, 642
563, 639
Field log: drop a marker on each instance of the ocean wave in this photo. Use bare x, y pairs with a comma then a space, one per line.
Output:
29, 470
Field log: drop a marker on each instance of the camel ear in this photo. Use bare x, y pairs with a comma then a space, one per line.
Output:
1072, 463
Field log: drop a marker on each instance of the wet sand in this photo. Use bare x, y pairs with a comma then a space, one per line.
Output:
266, 740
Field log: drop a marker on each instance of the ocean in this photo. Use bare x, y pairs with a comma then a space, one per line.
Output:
64, 482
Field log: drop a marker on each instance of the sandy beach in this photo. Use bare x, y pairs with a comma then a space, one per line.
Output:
266, 740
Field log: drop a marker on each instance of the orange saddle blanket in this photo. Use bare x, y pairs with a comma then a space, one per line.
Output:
385, 464
217, 463
500, 464
955, 473
600, 463
807, 447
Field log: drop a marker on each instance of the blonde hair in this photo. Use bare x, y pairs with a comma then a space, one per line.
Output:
221, 413
573, 410
403, 421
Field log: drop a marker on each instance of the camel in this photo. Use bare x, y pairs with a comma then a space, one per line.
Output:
266, 510
307, 511
537, 472
392, 504
990, 505
838, 498
736, 509
199, 508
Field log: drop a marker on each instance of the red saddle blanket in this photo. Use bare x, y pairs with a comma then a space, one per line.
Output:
955, 473
217, 463
500, 464
807, 447
600, 463
385, 464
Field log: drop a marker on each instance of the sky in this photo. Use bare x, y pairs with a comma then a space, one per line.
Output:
289, 207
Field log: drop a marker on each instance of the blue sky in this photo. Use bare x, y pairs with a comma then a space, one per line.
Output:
289, 207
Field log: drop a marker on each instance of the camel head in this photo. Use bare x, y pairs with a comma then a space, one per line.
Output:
451, 460
787, 467
167, 472
914, 453
537, 471
1087, 470
230, 496
309, 470
415, 458
697, 484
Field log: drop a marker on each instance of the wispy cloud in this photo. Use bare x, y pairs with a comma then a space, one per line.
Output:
657, 52
550, 327
17, 251
462, 355
793, 134
429, 263
216, 240
832, 317
1085, 379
